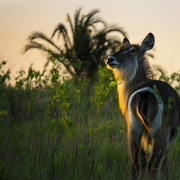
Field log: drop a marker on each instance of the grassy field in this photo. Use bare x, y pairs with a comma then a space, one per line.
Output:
67, 131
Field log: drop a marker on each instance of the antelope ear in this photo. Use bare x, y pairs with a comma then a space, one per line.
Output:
148, 42
125, 42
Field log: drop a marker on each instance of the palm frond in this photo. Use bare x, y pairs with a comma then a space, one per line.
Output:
34, 45
77, 19
71, 24
89, 17
97, 21
40, 36
61, 30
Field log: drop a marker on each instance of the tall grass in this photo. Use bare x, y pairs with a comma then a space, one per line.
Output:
72, 130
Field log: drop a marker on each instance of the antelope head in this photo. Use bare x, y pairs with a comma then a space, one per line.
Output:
129, 62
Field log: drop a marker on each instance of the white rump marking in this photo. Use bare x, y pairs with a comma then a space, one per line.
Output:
134, 120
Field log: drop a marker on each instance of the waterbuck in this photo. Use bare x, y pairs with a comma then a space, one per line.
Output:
151, 107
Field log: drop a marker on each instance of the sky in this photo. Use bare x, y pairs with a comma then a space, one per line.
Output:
19, 18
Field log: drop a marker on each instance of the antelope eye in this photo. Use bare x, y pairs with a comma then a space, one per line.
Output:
132, 51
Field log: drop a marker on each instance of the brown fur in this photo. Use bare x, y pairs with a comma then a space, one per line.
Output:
150, 107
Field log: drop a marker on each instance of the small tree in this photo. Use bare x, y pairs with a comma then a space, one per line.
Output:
83, 48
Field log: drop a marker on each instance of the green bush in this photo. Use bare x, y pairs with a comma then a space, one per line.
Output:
69, 130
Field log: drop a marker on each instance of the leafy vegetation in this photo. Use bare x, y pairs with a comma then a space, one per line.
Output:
173, 79
81, 49
69, 130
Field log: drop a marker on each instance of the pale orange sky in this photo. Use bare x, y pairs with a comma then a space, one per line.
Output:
18, 18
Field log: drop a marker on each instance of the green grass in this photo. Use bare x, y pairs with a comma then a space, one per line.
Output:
68, 131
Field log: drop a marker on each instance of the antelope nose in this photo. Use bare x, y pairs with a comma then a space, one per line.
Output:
110, 59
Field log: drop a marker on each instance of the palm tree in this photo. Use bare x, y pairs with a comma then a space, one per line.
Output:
82, 49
